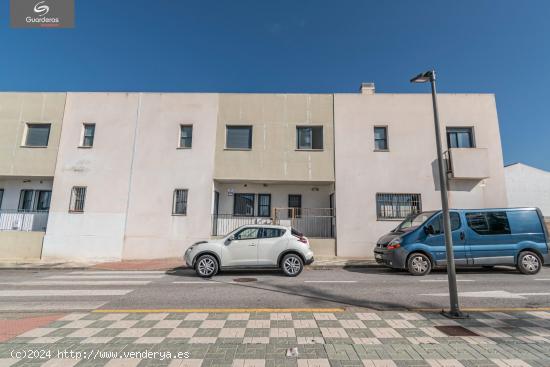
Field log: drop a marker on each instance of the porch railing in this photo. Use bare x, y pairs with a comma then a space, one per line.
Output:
312, 222
26, 221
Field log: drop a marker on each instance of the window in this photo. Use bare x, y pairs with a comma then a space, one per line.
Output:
238, 137
179, 206
26, 198
380, 138
243, 205
272, 232
43, 198
397, 206
460, 137
1, 197
295, 205
247, 234
437, 223
37, 135
88, 135
186, 136
264, 205
488, 223
78, 197
309, 137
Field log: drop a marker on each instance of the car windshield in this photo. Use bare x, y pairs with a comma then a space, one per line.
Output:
413, 221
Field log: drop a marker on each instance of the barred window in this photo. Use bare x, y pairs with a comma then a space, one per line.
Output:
243, 204
78, 197
179, 206
397, 206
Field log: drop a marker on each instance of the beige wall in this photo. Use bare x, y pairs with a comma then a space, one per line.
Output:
274, 118
18, 109
410, 164
160, 167
20, 245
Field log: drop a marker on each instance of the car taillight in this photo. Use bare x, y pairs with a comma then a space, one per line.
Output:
302, 239
393, 246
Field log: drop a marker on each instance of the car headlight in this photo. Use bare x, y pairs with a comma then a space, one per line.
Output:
395, 243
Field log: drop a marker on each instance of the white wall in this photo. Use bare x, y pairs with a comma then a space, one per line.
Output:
160, 167
410, 164
528, 186
13, 186
98, 233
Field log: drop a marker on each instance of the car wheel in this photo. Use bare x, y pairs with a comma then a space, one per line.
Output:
206, 266
292, 265
419, 264
529, 263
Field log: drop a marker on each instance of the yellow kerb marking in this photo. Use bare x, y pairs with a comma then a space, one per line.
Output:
222, 310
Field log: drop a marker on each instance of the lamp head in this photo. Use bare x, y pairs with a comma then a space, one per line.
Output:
425, 77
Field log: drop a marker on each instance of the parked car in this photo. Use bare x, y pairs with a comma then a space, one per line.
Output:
252, 246
481, 237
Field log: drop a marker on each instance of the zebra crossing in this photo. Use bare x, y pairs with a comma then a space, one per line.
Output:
70, 291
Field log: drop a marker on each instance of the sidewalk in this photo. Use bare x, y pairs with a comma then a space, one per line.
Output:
242, 337
165, 264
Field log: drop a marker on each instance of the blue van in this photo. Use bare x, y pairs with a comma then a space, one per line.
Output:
481, 237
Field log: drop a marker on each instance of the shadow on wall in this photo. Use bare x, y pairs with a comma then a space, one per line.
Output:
466, 185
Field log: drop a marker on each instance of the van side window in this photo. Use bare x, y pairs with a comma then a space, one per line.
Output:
488, 223
525, 221
437, 223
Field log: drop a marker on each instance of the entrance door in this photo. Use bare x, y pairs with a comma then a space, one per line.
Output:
243, 249
437, 240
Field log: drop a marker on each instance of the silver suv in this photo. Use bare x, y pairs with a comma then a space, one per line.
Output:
252, 246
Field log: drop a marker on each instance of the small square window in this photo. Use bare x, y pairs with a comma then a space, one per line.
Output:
37, 135
380, 138
78, 197
243, 205
186, 136
460, 137
238, 137
179, 206
88, 133
309, 138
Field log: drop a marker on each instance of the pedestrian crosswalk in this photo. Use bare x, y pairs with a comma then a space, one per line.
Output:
70, 291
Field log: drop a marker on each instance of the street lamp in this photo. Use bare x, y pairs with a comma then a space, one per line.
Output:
429, 76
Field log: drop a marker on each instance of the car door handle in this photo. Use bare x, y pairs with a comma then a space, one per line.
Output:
252, 245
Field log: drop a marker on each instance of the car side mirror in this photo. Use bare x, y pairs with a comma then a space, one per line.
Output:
229, 239
429, 229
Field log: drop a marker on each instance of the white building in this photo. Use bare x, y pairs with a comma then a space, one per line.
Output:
528, 186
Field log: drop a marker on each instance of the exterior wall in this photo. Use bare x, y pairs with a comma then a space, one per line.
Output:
17, 109
274, 118
160, 167
20, 245
13, 186
98, 233
410, 165
528, 186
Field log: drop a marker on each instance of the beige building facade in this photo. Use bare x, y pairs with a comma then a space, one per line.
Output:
145, 175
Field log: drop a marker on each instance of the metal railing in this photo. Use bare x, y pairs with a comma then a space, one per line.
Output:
21, 220
312, 222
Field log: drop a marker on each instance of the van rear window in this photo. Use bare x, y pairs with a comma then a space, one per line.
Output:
525, 221
488, 223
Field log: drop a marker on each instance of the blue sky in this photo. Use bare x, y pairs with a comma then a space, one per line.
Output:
477, 46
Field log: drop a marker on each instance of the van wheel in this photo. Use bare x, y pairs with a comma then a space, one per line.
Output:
206, 266
528, 263
419, 264
292, 265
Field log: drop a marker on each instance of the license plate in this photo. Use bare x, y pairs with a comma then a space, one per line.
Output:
377, 256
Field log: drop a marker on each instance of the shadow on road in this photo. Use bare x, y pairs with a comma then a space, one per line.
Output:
500, 270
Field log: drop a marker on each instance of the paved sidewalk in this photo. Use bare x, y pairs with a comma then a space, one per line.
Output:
347, 338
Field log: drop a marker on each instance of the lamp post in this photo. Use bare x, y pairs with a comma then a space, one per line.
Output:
429, 76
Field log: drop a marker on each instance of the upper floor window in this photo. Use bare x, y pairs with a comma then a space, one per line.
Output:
460, 137
37, 135
186, 136
78, 198
179, 206
397, 206
310, 137
238, 137
380, 138
26, 198
88, 133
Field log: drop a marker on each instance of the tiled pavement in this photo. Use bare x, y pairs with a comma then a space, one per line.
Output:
349, 338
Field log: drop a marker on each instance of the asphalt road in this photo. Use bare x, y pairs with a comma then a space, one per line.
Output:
377, 288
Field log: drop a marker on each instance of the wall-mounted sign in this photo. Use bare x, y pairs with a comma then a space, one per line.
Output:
230, 192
